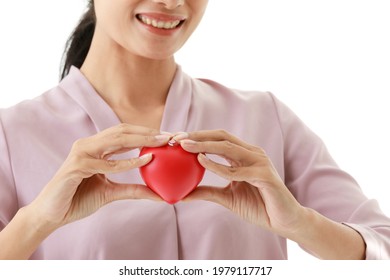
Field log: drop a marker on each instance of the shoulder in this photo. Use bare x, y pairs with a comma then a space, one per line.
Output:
249, 112
216, 94
34, 112
218, 90
248, 104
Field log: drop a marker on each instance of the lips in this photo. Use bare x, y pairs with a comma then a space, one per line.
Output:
159, 21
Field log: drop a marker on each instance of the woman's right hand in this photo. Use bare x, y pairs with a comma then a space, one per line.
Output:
80, 187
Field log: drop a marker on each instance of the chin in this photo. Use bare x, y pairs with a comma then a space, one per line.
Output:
156, 51
158, 55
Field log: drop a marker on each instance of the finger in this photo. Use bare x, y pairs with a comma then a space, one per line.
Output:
103, 166
129, 142
119, 131
214, 135
125, 128
225, 149
101, 146
231, 173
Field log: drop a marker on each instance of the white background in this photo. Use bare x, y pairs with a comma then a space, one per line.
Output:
327, 60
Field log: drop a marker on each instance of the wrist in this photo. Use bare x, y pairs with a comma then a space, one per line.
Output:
37, 223
304, 225
23, 235
297, 230
316, 233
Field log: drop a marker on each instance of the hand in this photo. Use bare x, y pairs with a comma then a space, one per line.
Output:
256, 192
80, 187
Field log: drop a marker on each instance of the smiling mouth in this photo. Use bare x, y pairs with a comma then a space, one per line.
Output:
161, 24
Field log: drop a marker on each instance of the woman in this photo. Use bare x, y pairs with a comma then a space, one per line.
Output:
74, 149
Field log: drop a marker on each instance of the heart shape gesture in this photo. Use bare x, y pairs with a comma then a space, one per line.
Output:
172, 173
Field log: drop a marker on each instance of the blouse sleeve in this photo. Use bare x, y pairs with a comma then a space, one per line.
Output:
318, 183
8, 198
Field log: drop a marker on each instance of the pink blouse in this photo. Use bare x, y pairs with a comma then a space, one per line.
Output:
36, 136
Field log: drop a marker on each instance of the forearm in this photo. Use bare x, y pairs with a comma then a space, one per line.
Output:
22, 236
327, 239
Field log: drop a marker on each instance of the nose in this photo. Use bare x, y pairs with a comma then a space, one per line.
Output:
170, 4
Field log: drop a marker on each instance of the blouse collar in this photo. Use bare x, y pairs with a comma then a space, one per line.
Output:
177, 107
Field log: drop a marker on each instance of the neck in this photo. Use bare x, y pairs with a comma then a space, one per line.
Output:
127, 81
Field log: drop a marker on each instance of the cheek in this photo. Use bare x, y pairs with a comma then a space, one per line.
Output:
112, 22
112, 15
200, 6
198, 9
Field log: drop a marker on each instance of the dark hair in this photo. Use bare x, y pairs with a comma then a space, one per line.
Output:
79, 42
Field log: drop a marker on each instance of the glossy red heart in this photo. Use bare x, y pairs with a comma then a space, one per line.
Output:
172, 173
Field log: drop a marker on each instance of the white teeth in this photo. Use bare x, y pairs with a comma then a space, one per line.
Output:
160, 24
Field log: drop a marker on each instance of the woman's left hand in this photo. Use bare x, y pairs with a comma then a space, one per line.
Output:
255, 192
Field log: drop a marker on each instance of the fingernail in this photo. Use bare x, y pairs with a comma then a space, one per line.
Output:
188, 142
166, 133
146, 156
203, 157
172, 142
181, 136
162, 138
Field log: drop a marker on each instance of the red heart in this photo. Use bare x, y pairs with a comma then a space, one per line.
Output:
172, 173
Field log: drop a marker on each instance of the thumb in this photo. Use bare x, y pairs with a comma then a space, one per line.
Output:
213, 194
130, 191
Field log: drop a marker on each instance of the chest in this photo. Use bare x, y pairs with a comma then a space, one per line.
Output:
146, 117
